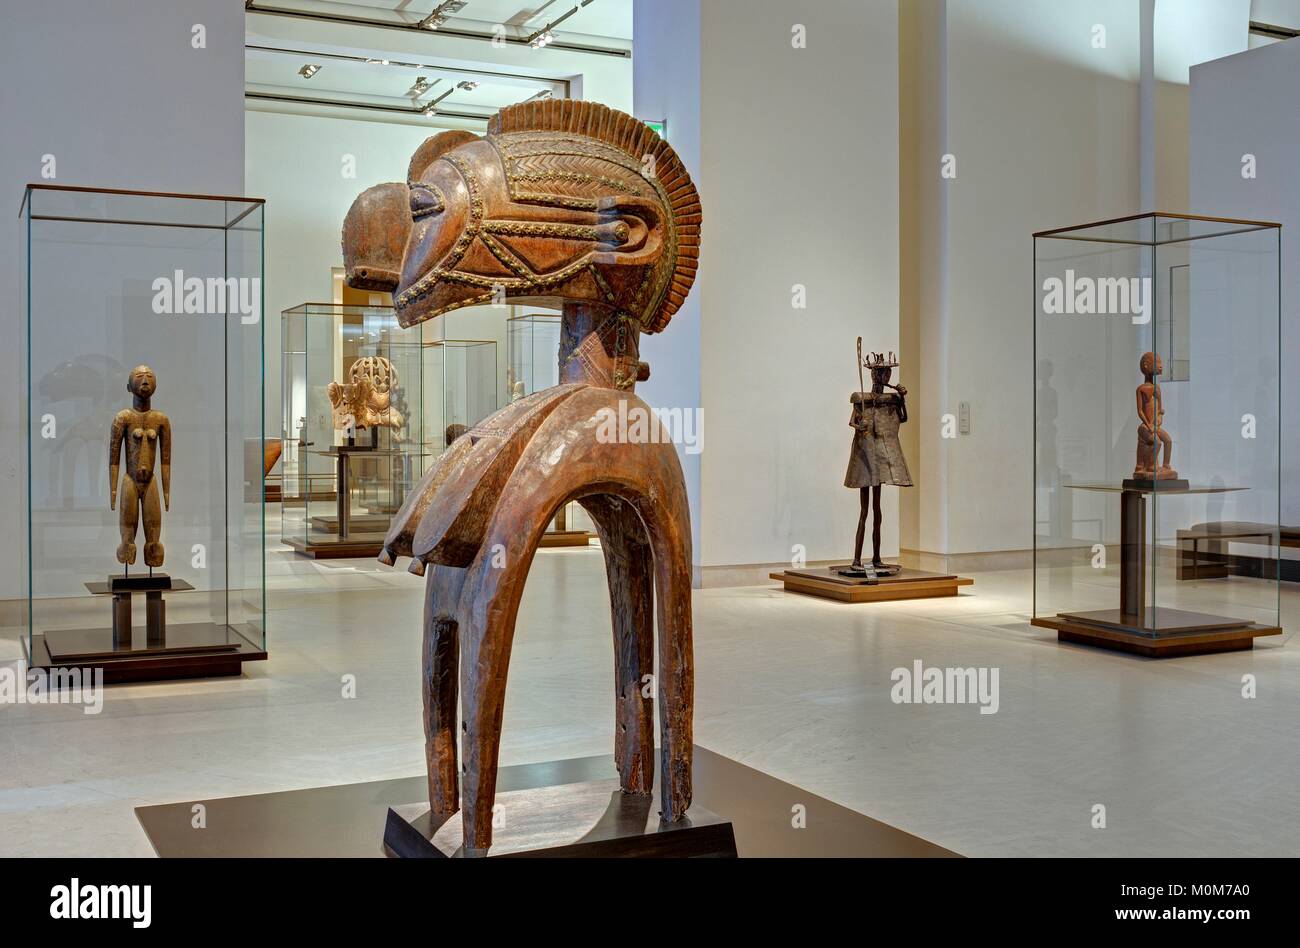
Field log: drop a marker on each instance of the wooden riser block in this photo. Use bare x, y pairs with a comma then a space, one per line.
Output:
882, 592
557, 538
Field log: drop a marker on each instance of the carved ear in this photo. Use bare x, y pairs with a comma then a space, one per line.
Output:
433, 149
638, 226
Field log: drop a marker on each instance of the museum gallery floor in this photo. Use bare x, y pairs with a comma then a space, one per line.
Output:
793, 686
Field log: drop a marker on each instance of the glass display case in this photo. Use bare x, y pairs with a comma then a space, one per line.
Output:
143, 521
367, 405
533, 364
1157, 478
533, 353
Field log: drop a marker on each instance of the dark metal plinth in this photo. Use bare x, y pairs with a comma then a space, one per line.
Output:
349, 820
1154, 486
122, 588
593, 819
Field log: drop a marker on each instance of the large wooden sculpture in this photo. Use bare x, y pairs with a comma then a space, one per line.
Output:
574, 206
146, 435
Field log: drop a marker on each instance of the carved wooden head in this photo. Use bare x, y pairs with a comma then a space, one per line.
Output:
142, 382
374, 238
561, 201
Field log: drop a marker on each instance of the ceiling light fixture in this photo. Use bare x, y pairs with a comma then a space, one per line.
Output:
309, 70
469, 85
432, 107
545, 37
542, 38
420, 88
440, 14
541, 96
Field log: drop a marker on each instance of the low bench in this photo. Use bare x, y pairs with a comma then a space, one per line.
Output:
1203, 550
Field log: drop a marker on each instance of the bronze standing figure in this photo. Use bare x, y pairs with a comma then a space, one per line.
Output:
573, 206
146, 435
876, 457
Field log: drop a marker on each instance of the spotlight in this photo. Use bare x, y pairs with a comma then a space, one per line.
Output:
420, 88
468, 85
440, 14
541, 96
309, 70
542, 38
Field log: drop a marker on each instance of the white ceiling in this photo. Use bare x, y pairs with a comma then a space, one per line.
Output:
340, 79
279, 46
608, 18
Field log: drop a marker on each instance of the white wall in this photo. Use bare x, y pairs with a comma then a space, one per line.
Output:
800, 184
1043, 128
1234, 104
798, 173
666, 68
117, 93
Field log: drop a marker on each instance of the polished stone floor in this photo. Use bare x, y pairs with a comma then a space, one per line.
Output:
799, 687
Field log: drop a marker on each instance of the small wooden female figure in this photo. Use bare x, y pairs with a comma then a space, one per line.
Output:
876, 457
146, 436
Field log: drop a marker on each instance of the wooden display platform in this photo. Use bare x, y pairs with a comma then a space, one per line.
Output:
590, 820
566, 538
907, 584
326, 548
349, 821
363, 523
218, 651
1163, 633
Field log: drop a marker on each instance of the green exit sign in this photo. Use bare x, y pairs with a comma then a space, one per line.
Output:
660, 128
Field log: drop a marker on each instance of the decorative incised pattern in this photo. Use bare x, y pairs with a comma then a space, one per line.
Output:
572, 177
502, 253
558, 200
530, 229
516, 147
601, 282
619, 333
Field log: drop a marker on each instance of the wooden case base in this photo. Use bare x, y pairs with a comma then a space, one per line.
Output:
1215, 637
552, 538
908, 584
361, 548
218, 651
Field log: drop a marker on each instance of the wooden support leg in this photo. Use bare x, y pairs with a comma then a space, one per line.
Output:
440, 686
672, 558
629, 569
486, 635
